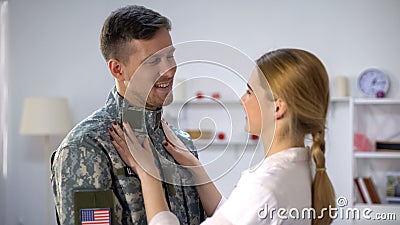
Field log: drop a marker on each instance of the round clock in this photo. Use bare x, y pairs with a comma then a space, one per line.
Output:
373, 83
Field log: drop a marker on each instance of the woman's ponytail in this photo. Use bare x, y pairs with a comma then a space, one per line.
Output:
323, 194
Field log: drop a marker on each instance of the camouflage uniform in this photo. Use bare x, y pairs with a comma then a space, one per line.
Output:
86, 160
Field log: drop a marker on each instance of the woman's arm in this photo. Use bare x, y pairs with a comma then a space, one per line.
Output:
209, 195
153, 195
152, 190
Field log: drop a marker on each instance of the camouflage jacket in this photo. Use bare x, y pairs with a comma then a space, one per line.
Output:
86, 160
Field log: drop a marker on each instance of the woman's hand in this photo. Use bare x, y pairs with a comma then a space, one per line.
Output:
136, 155
185, 158
181, 155
177, 149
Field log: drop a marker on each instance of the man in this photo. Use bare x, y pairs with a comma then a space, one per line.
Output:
87, 172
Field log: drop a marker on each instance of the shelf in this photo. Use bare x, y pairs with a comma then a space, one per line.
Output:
196, 101
376, 101
377, 155
366, 101
381, 206
204, 142
349, 115
357, 101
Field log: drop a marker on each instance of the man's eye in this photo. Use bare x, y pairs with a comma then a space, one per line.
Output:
153, 61
248, 91
170, 57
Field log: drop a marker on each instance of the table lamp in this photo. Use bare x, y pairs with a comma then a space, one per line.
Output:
46, 116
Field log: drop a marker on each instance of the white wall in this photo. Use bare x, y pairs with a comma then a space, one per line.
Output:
54, 50
3, 106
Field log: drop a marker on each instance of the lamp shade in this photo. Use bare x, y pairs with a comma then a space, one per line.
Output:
45, 116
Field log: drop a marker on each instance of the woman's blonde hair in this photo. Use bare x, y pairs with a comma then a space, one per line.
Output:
301, 81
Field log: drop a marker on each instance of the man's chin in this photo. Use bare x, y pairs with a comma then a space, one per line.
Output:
168, 100
153, 106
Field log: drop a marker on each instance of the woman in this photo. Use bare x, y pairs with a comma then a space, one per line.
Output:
286, 179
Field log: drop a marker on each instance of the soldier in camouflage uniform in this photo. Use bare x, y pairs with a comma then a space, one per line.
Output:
87, 172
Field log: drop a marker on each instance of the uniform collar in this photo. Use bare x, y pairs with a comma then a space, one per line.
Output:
114, 105
141, 119
144, 119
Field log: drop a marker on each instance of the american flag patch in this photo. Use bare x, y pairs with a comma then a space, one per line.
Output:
95, 216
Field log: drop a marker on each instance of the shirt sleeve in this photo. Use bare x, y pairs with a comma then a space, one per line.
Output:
168, 218
77, 168
217, 219
164, 218
247, 204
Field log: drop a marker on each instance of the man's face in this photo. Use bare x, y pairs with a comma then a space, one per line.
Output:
151, 70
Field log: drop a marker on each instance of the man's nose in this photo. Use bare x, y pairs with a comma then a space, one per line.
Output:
168, 68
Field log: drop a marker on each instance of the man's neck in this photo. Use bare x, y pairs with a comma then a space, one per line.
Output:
121, 89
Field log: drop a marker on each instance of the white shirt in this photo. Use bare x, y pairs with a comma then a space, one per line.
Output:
281, 183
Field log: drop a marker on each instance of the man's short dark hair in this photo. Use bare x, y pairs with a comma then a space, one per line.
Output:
125, 24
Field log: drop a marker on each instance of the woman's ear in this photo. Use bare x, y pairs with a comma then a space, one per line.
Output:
115, 68
280, 109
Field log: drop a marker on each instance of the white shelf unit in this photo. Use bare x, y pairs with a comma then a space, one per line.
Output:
374, 118
206, 101
376, 101
377, 155
222, 115
365, 101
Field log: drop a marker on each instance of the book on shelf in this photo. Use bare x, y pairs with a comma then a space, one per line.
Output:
393, 200
393, 187
373, 194
359, 191
386, 146
366, 190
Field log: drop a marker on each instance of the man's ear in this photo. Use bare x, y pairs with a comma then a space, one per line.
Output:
280, 109
116, 70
